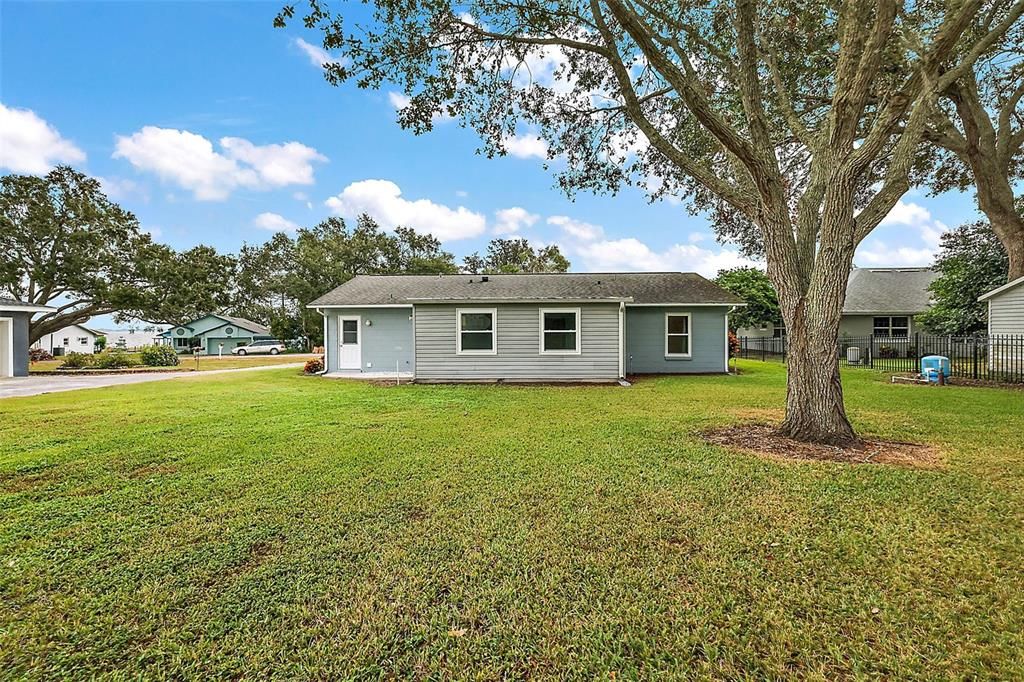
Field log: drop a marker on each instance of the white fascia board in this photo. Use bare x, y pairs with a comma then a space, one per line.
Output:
1008, 285
691, 305
363, 305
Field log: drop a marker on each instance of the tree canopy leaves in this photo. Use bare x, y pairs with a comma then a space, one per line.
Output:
510, 256
971, 262
66, 245
756, 290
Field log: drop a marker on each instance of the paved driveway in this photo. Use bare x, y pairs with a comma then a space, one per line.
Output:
36, 385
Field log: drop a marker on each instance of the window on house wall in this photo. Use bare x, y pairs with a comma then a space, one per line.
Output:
560, 331
779, 331
677, 335
67, 341
891, 326
83, 340
476, 329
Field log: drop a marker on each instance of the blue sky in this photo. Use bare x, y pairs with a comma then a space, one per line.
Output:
214, 127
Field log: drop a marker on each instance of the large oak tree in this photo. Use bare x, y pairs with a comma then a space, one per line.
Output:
797, 122
979, 126
64, 244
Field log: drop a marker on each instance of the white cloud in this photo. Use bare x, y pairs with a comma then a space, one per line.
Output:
511, 220
190, 160
525, 146
906, 219
461, 193
274, 222
317, 55
632, 254
28, 144
399, 100
120, 189
577, 229
383, 200
278, 165
590, 250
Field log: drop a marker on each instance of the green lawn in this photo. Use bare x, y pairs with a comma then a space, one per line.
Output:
267, 523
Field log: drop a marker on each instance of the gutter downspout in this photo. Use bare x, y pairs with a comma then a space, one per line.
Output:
320, 374
622, 340
727, 313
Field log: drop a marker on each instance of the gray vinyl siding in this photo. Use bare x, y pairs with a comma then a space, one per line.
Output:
518, 354
645, 340
20, 332
1006, 312
864, 325
387, 342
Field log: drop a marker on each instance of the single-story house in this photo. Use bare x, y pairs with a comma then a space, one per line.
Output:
131, 339
1006, 308
14, 321
214, 333
879, 301
1006, 325
74, 338
527, 327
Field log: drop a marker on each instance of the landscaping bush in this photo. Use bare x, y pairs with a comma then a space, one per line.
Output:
159, 356
75, 360
114, 358
734, 345
39, 355
313, 366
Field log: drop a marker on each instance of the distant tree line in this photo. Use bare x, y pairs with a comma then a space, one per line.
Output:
65, 244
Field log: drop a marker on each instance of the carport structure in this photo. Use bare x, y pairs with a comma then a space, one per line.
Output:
14, 321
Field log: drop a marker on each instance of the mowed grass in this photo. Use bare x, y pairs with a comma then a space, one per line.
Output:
205, 363
272, 525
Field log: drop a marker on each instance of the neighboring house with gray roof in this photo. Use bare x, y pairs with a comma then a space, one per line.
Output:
527, 327
14, 321
215, 333
879, 301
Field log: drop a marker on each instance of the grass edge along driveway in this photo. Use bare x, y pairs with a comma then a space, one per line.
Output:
268, 524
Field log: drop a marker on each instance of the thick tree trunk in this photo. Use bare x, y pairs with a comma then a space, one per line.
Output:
811, 295
1009, 227
814, 391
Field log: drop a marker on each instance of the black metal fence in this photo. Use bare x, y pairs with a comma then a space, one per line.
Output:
988, 358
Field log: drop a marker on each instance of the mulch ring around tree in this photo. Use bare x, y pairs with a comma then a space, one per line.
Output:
764, 440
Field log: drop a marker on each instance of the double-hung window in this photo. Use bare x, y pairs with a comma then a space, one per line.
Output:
476, 331
891, 326
560, 331
677, 335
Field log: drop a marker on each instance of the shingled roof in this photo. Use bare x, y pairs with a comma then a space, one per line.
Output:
888, 290
630, 287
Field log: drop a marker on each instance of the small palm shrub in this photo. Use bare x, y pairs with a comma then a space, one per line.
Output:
76, 361
159, 356
313, 366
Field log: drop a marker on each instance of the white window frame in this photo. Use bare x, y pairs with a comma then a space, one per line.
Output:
459, 312
578, 331
890, 326
688, 335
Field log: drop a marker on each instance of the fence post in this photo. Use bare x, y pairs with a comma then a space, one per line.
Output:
871, 351
974, 357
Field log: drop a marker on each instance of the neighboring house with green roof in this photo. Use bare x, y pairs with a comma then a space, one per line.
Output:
527, 327
214, 333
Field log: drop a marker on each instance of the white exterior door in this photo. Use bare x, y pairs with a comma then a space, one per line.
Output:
349, 342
